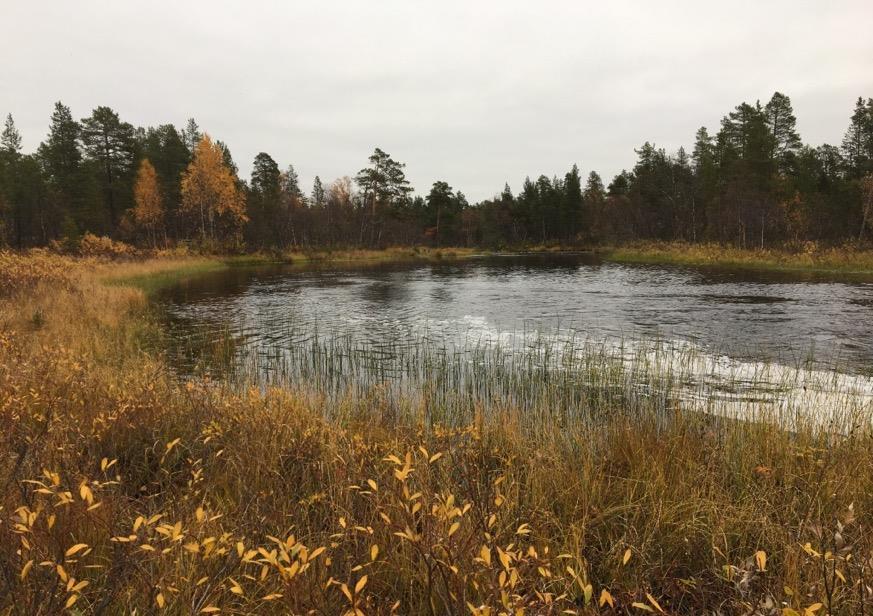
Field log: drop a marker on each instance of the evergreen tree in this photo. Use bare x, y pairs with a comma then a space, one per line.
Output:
620, 184
441, 210
292, 183
68, 185
166, 151
191, 136
594, 188
385, 187
784, 140
858, 141
10, 138
317, 193
109, 143
574, 218
264, 201
60, 151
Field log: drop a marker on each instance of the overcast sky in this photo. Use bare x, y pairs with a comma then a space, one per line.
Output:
476, 93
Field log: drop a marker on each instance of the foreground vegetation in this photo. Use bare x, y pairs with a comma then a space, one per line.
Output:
127, 489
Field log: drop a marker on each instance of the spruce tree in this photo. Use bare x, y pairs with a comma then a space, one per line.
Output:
10, 138
317, 193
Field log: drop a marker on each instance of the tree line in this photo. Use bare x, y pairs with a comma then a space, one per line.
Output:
753, 183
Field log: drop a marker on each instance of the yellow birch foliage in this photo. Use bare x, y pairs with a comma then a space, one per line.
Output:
210, 195
149, 210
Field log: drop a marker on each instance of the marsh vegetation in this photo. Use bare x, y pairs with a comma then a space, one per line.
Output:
492, 486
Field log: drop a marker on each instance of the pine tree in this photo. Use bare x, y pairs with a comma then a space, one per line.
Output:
109, 143
780, 120
384, 187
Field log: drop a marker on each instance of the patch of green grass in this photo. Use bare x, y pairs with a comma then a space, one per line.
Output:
153, 280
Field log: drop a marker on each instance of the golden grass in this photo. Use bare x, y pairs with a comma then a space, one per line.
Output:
127, 490
810, 257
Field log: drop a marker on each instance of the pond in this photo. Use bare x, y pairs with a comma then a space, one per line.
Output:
728, 329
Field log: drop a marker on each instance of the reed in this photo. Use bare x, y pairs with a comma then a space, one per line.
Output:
562, 479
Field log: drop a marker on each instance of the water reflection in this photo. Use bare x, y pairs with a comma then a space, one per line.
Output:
750, 315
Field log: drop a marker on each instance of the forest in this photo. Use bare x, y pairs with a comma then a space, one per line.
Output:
751, 184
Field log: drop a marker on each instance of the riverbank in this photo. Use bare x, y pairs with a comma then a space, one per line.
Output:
151, 274
125, 488
838, 260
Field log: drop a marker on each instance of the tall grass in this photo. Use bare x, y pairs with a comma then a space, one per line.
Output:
809, 256
486, 486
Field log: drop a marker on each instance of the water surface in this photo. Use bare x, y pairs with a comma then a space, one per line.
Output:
750, 316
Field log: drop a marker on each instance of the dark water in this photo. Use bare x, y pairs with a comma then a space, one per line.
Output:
786, 318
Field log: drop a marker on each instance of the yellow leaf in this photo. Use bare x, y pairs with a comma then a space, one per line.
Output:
76, 548
812, 609
485, 555
62, 573
374, 551
210, 610
626, 557
606, 598
315, 553
373, 485
641, 606
360, 585
654, 603
26, 569
271, 596
159, 599
71, 601
761, 559
454, 528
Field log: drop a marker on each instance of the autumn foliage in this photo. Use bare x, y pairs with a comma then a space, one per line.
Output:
148, 211
211, 198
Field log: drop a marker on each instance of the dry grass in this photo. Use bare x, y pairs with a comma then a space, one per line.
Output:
809, 256
125, 490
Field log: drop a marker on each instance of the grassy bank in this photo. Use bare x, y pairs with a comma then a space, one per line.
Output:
153, 274
841, 260
125, 489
